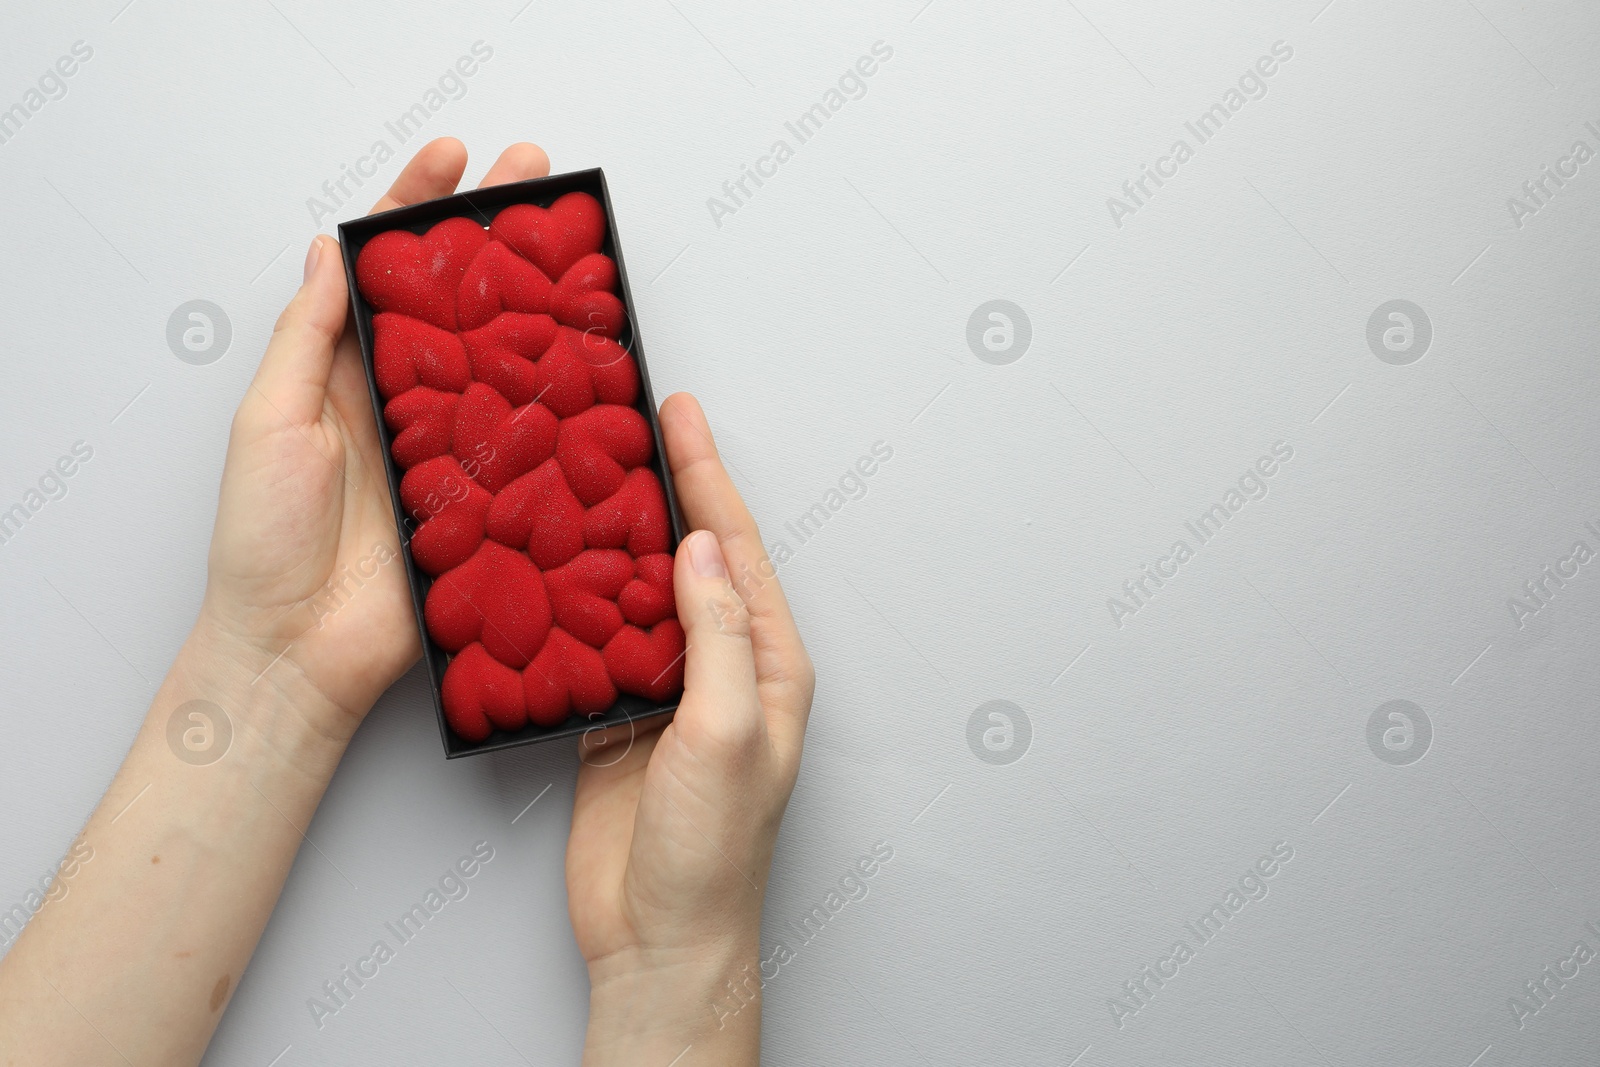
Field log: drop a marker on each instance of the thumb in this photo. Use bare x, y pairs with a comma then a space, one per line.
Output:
720, 700
293, 375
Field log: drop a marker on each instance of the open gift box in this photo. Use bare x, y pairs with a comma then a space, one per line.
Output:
524, 459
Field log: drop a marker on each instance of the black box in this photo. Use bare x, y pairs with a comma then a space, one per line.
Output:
484, 204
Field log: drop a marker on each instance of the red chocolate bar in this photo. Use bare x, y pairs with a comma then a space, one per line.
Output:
527, 467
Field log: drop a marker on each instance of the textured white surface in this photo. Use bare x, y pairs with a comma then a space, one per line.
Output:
830, 312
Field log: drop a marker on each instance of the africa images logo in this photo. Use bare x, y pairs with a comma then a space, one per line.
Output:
51, 85
451, 85
1139, 991
1252, 85
851, 85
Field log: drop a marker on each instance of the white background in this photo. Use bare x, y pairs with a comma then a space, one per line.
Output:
828, 313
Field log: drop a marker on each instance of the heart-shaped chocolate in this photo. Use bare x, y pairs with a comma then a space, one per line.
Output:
647, 598
503, 354
481, 694
597, 448
584, 591
647, 663
634, 517
553, 239
496, 597
527, 480
420, 276
497, 444
580, 370
499, 280
421, 420
452, 510
566, 676
407, 353
583, 297
525, 335
539, 513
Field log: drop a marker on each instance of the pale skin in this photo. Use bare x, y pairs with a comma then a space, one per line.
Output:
671, 843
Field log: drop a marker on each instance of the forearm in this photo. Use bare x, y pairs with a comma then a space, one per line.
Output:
150, 938
703, 1012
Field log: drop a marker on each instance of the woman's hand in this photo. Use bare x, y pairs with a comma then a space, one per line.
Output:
306, 578
673, 829
134, 961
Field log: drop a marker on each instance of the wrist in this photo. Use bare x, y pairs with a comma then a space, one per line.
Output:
262, 693
650, 1006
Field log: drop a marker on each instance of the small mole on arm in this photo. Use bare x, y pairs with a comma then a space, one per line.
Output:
185, 954
155, 859
220, 993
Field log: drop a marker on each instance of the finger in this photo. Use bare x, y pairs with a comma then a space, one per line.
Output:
711, 502
432, 172
517, 163
293, 375
350, 397
720, 699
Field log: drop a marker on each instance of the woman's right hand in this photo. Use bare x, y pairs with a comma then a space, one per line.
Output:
673, 827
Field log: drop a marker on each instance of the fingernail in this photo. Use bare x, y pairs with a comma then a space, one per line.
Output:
312, 254
705, 555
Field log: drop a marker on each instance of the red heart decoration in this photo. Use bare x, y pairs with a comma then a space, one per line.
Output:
538, 512
421, 420
527, 468
452, 509
525, 335
496, 597
407, 353
582, 298
580, 370
554, 239
482, 694
597, 448
647, 599
419, 276
584, 591
500, 280
496, 444
503, 353
506, 373
647, 663
566, 676
635, 517
429, 488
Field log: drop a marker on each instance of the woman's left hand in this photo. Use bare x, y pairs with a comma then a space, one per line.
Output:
306, 575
